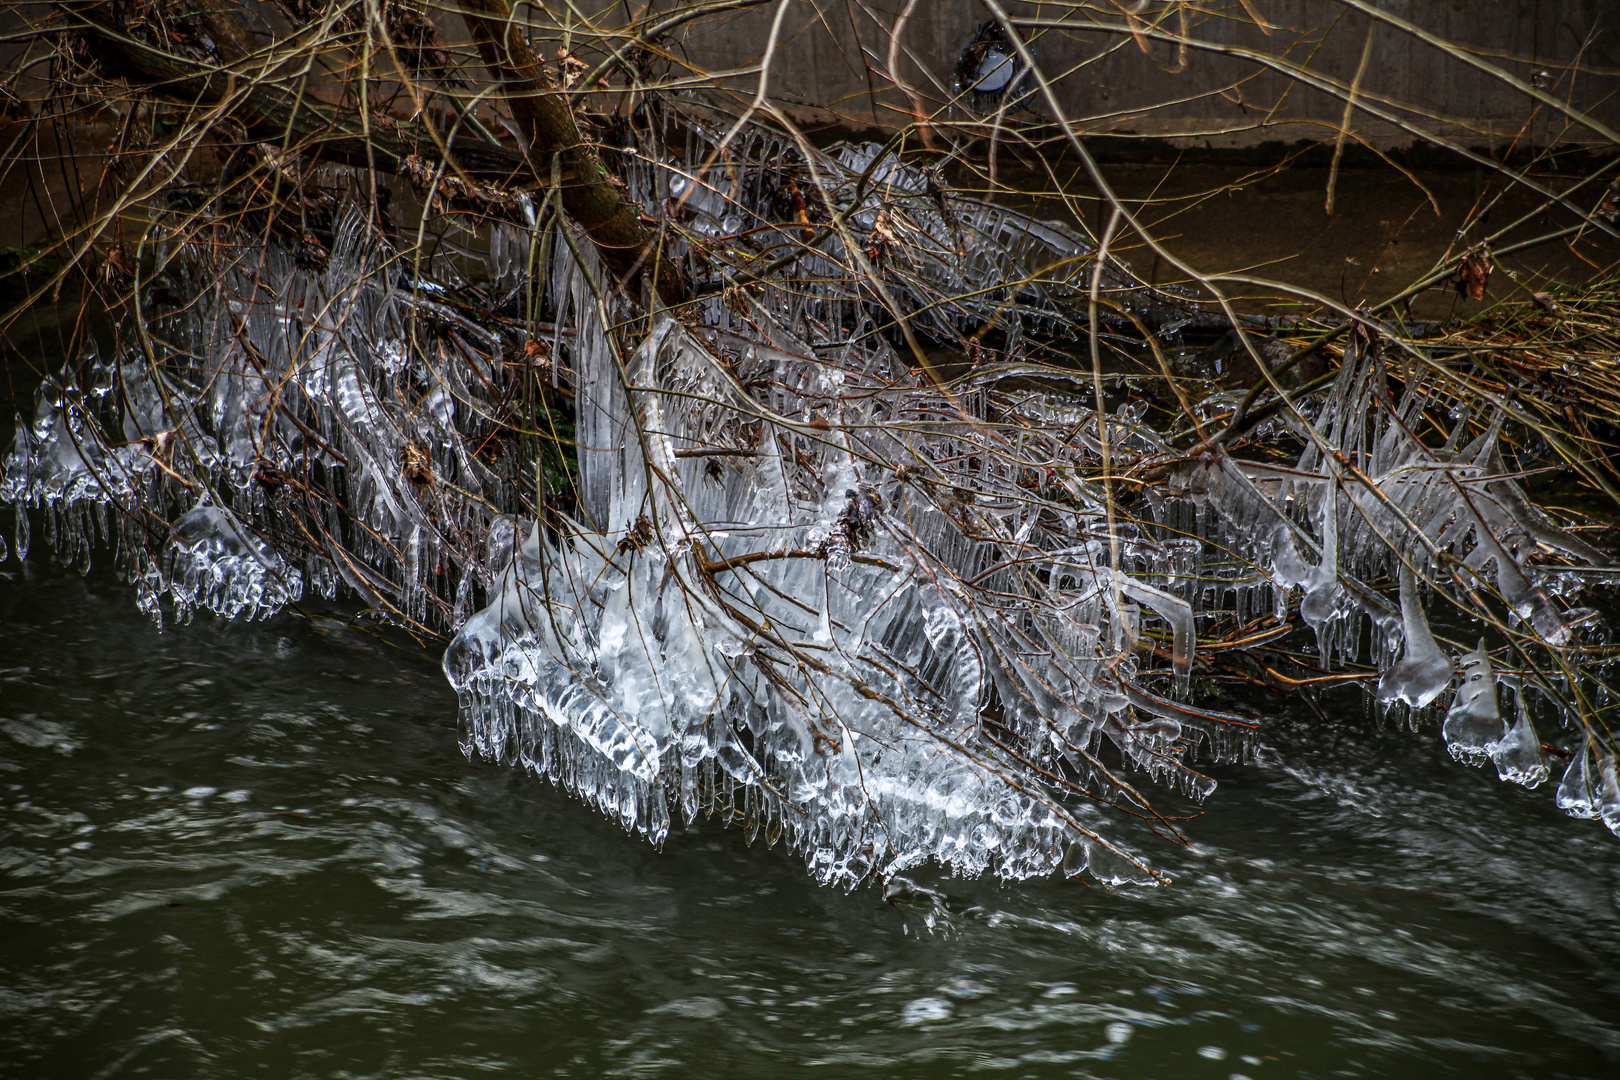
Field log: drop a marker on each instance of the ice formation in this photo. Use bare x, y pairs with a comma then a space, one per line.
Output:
1518, 756
1606, 792
1575, 789
1424, 671
1473, 726
215, 563
800, 582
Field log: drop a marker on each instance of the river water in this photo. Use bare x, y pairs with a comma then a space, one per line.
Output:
255, 850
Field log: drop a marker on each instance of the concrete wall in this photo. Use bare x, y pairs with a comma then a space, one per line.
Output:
831, 66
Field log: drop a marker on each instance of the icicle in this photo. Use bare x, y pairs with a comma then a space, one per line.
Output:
216, 563
1178, 614
1518, 756
1321, 604
1606, 792
1424, 671
22, 532
1575, 790
1473, 727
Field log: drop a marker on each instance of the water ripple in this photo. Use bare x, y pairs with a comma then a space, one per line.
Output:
254, 850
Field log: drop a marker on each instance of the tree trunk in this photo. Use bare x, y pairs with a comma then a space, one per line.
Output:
591, 195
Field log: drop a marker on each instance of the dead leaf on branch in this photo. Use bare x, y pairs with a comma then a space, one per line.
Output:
1474, 275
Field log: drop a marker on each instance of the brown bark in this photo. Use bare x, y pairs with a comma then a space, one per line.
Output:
591, 195
272, 112
269, 111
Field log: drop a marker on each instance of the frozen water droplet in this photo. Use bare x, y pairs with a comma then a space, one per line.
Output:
1213, 1053
217, 563
1473, 727
1119, 1032
1320, 604
1111, 868
1575, 790
1075, 859
199, 792
1518, 756
1606, 792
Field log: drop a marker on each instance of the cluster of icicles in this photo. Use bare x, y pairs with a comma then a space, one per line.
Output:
1459, 500
265, 455
882, 622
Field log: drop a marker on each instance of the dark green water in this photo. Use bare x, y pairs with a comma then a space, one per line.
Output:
244, 851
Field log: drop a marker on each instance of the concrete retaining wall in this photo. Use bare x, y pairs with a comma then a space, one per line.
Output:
831, 66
